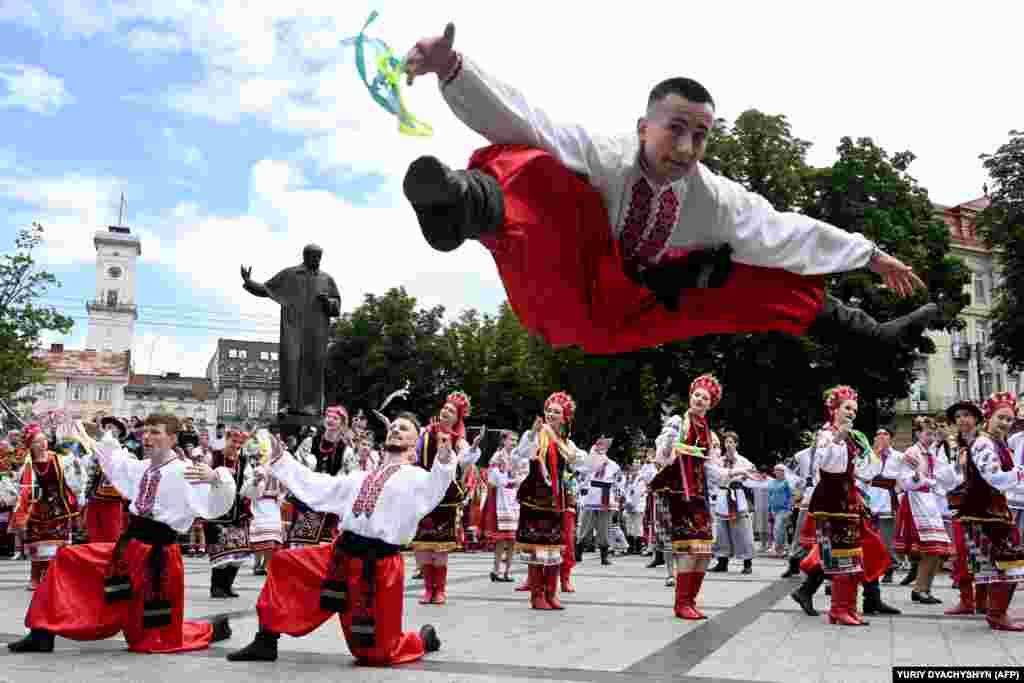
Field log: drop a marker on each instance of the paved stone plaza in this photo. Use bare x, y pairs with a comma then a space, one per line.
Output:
618, 626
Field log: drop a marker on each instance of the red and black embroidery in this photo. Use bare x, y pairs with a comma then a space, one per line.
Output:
369, 492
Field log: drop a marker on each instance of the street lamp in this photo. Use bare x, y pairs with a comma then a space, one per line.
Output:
977, 360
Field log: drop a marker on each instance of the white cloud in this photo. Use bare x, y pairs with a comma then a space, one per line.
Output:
148, 40
30, 87
183, 153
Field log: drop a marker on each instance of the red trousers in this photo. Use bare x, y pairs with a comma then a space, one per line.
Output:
564, 278
961, 572
104, 520
290, 602
70, 601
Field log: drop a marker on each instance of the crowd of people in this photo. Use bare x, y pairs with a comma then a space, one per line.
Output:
328, 522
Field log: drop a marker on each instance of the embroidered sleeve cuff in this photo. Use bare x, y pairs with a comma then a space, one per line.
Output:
453, 71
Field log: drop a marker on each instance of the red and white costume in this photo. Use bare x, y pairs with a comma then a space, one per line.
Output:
589, 233
71, 600
379, 511
919, 526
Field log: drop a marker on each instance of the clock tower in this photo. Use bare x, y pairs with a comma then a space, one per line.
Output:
112, 314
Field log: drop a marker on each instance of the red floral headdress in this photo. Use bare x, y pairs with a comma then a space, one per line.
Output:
29, 433
708, 383
563, 400
835, 396
1003, 399
237, 437
463, 409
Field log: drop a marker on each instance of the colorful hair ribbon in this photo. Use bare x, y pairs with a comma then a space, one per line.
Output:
385, 88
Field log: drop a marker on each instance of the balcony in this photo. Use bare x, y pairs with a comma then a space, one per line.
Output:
102, 307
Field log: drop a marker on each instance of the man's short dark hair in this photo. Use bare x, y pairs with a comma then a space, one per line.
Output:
406, 415
170, 422
684, 87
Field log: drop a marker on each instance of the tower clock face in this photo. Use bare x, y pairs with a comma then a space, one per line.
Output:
114, 272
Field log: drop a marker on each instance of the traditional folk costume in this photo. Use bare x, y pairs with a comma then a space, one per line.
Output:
884, 500
735, 537
361, 576
601, 501
1015, 496
543, 539
9, 490
995, 554
227, 535
438, 532
197, 534
634, 511
973, 600
838, 524
501, 509
265, 494
136, 586
105, 517
608, 277
920, 532
47, 505
475, 488
308, 526
682, 487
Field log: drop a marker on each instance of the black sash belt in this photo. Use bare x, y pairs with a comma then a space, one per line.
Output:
334, 589
156, 610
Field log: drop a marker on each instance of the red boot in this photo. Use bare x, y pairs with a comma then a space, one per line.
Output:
981, 602
537, 588
696, 581
967, 604
682, 608
566, 572
440, 584
998, 602
551, 587
843, 598
428, 584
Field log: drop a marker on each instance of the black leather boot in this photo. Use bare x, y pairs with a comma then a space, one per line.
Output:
604, 556
721, 566
706, 269
873, 600
217, 588
230, 572
748, 567
431, 643
221, 630
37, 640
453, 206
263, 648
579, 551
804, 595
911, 576
838, 318
794, 568
657, 561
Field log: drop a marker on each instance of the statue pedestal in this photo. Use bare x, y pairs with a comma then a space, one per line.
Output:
291, 425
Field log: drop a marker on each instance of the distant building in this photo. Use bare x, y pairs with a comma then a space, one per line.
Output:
81, 383
960, 369
113, 311
171, 393
245, 377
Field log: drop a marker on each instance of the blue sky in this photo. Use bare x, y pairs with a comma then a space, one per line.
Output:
239, 132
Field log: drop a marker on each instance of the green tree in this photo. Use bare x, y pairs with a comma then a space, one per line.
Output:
1001, 224
22, 320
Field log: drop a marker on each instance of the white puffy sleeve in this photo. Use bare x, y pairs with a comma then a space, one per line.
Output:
208, 501
122, 468
528, 444
761, 236
318, 490
983, 452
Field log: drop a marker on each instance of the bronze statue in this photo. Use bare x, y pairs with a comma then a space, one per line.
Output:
308, 298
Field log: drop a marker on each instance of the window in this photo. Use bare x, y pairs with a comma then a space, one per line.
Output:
103, 392
49, 392
227, 402
77, 392
112, 298
981, 332
273, 355
242, 353
272, 405
253, 404
963, 383
232, 353
980, 290
264, 355
199, 414
986, 384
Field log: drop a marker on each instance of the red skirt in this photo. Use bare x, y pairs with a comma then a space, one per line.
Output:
104, 520
70, 601
875, 557
563, 274
290, 602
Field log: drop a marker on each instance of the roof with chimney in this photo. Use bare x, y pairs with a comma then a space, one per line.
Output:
961, 221
115, 366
